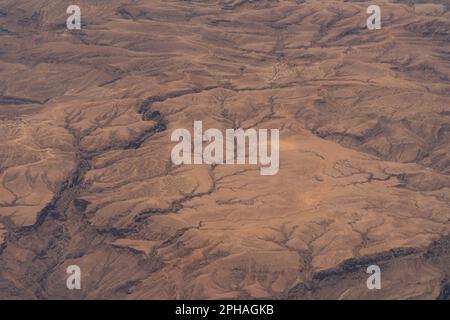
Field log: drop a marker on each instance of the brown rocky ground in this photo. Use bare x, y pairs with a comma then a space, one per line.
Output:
85, 170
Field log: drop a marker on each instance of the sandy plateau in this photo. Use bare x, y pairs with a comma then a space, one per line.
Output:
85, 171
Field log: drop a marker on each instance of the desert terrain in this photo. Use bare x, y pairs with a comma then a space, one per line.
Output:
86, 176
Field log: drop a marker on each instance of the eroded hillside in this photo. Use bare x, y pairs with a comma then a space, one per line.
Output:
85, 171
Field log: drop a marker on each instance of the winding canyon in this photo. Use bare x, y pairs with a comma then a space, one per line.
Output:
86, 176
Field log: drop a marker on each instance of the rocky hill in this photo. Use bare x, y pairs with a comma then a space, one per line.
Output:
86, 177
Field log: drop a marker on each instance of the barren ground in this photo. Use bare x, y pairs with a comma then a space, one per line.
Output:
85, 170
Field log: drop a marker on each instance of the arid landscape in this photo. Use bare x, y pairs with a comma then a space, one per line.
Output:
86, 176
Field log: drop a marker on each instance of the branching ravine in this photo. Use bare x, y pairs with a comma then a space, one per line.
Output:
62, 214
437, 254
